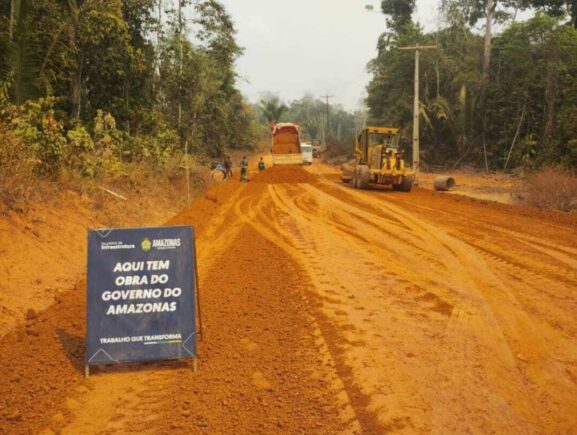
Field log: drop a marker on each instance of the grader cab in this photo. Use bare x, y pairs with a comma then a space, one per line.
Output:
378, 160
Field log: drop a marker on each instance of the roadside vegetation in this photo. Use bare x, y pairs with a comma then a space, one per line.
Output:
496, 101
552, 189
93, 90
96, 92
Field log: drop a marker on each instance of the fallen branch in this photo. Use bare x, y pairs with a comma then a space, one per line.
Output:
112, 193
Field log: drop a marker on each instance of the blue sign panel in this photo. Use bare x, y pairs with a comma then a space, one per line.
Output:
141, 295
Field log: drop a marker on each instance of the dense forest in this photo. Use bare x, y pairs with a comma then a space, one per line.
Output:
93, 85
495, 99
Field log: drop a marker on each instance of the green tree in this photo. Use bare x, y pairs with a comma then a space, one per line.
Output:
19, 66
556, 8
272, 109
530, 93
534, 94
112, 60
399, 13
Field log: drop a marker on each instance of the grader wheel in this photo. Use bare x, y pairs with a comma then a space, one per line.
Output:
363, 176
406, 185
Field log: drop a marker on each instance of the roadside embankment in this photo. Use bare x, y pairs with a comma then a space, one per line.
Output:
43, 242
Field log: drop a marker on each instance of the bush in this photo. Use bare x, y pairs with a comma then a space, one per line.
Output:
37, 146
81, 155
552, 189
338, 151
35, 125
16, 166
155, 149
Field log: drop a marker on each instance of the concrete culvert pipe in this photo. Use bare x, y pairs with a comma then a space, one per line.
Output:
218, 175
444, 184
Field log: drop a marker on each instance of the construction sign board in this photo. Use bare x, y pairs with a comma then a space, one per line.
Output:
140, 295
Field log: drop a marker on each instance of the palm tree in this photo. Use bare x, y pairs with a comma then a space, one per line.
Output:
272, 109
312, 126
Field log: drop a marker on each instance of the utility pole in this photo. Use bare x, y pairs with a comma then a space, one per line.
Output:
156, 74
416, 148
328, 112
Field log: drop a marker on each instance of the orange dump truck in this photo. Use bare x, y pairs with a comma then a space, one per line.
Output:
286, 145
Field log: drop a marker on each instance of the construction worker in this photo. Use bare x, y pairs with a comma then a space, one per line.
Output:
228, 166
261, 166
244, 170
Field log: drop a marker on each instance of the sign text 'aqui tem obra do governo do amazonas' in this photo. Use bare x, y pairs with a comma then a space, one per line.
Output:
141, 295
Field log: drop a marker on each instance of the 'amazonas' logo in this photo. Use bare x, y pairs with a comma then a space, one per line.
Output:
146, 245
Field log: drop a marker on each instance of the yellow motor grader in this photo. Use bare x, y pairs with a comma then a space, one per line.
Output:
378, 160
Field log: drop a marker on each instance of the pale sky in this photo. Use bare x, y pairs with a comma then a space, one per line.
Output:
316, 46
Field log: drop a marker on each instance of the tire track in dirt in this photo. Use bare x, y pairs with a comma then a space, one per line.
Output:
325, 285
543, 277
466, 289
279, 229
451, 251
475, 229
516, 325
284, 378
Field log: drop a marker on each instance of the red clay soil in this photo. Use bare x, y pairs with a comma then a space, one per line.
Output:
42, 361
259, 364
41, 364
284, 174
333, 310
462, 204
261, 370
42, 250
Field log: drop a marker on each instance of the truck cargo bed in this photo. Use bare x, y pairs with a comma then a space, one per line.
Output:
287, 159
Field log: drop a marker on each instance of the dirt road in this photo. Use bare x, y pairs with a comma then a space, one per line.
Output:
333, 310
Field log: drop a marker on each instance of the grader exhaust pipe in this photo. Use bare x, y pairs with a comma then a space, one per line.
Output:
444, 184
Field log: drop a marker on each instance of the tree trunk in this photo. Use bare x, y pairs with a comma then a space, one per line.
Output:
156, 67
489, 14
180, 57
572, 6
551, 93
490, 7
75, 83
77, 92
11, 23
126, 102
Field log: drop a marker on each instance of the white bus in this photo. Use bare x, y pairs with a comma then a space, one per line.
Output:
307, 152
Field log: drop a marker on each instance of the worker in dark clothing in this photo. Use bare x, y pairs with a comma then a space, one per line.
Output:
261, 166
244, 170
228, 166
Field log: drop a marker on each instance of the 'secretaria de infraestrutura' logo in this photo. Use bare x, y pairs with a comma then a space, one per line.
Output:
146, 245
